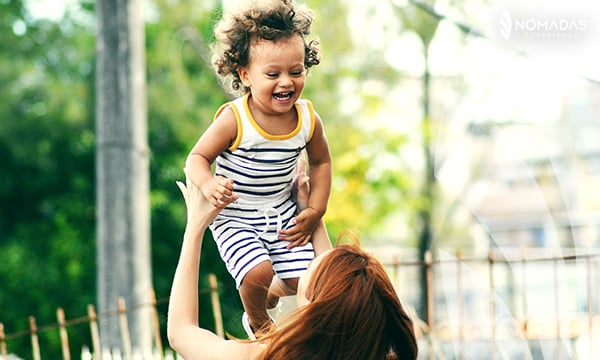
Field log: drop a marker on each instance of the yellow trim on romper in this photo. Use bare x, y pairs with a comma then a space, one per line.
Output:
265, 134
238, 120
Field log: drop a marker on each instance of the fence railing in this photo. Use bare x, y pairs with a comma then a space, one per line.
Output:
510, 304
97, 350
501, 306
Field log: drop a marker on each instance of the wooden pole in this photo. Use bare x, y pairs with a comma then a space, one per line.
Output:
492, 302
395, 269
216, 305
461, 305
125, 337
430, 301
95, 333
156, 325
35, 343
557, 307
590, 308
525, 322
64, 337
3, 351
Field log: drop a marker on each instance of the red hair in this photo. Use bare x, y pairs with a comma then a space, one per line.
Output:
353, 313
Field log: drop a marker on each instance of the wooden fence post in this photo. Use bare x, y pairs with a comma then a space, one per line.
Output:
95, 333
492, 301
2, 341
461, 305
216, 305
525, 322
395, 270
156, 325
430, 301
125, 337
64, 337
557, 308
35, 343
590, 308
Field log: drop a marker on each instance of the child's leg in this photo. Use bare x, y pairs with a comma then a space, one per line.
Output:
279, 288
253, 291
291, 284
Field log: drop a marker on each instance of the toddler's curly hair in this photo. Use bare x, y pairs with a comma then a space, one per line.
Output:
260, 19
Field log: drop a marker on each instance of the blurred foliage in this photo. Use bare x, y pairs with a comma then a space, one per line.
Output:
47, 216
47, 147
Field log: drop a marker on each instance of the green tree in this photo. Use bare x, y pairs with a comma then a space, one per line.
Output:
364, 193
47, 140
46, 192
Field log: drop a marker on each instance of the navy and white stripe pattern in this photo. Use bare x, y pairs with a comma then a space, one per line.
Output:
262, 167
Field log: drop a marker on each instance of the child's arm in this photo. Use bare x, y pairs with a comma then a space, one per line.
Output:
216, 139
319, 160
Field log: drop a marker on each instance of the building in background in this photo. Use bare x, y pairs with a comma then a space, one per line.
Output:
543, 178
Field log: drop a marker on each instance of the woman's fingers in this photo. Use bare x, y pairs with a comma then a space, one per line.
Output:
183, 190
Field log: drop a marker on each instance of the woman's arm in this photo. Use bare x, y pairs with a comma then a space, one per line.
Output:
185, 337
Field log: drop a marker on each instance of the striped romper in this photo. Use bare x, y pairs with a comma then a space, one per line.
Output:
262, 167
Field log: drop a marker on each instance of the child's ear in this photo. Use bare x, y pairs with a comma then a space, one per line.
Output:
243, 73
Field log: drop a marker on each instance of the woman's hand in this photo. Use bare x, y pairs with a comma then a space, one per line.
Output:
200, 212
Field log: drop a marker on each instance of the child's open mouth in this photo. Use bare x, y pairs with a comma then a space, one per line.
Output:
283, 96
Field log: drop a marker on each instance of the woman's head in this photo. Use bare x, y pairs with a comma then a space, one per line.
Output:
352, 312
252, 21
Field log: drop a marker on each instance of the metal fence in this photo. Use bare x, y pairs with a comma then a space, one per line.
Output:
510, 304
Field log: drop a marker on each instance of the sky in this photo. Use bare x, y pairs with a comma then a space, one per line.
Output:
49, 9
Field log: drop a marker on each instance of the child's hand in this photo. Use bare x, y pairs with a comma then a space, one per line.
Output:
219, 191
199, 210
301, 233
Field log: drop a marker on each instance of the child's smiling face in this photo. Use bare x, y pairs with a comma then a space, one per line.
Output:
275, 73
